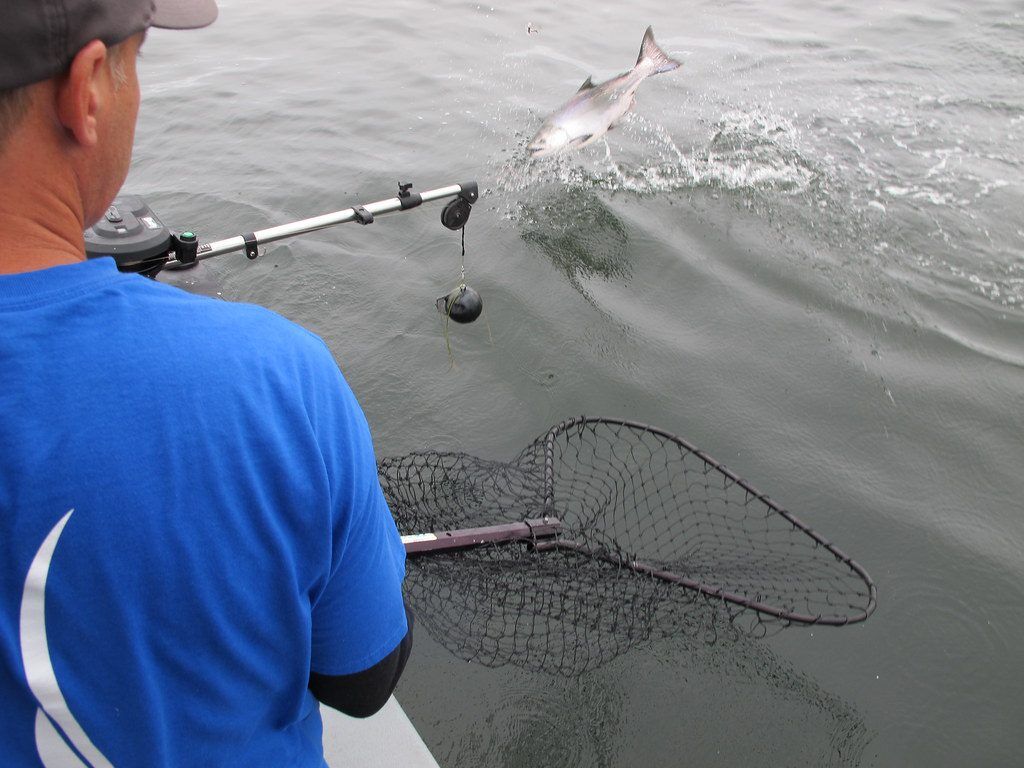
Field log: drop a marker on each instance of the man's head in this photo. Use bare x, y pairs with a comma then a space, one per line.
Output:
69, 96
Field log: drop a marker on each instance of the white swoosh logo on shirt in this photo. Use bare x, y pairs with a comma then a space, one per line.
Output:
54, 748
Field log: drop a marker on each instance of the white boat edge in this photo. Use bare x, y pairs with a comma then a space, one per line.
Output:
385, 740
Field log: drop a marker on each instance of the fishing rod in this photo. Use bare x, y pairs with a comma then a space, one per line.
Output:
138, 241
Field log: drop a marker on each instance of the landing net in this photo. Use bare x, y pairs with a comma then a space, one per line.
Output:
654, 538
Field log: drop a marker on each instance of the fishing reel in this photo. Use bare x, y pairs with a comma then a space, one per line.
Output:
137, 240
132, 234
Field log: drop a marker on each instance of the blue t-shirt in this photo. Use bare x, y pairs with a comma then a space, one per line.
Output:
190, 522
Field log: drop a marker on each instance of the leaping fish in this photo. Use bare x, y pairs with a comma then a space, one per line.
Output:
595, 109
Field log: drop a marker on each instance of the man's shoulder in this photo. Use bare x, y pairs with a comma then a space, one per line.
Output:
177, 299
227, 347
229, 325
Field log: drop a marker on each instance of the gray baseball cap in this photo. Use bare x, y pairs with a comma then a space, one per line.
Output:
39, 38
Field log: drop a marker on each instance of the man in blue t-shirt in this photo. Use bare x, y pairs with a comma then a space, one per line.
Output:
194, 546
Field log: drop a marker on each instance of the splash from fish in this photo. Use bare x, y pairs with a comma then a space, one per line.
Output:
595, 109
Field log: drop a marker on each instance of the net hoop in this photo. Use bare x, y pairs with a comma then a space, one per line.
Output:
580, 422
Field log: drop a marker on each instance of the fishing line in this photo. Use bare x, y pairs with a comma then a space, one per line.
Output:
462, 304
448, 313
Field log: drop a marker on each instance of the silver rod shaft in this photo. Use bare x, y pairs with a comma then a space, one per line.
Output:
269, 235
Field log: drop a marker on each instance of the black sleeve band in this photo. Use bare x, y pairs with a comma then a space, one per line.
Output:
363, 693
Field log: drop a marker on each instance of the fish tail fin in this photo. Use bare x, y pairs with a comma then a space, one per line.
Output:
653, 57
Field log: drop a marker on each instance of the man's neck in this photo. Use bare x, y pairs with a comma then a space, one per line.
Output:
38, 239
41, 207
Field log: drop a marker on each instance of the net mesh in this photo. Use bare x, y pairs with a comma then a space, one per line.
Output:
626, 494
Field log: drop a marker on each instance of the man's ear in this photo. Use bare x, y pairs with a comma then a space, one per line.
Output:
81, 92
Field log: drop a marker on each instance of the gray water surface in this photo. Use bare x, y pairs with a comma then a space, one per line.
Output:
804, 253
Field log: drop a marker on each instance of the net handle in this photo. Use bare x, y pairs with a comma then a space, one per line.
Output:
463, 538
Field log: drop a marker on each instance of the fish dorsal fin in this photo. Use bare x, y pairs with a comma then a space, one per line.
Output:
657, 59
587, 84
